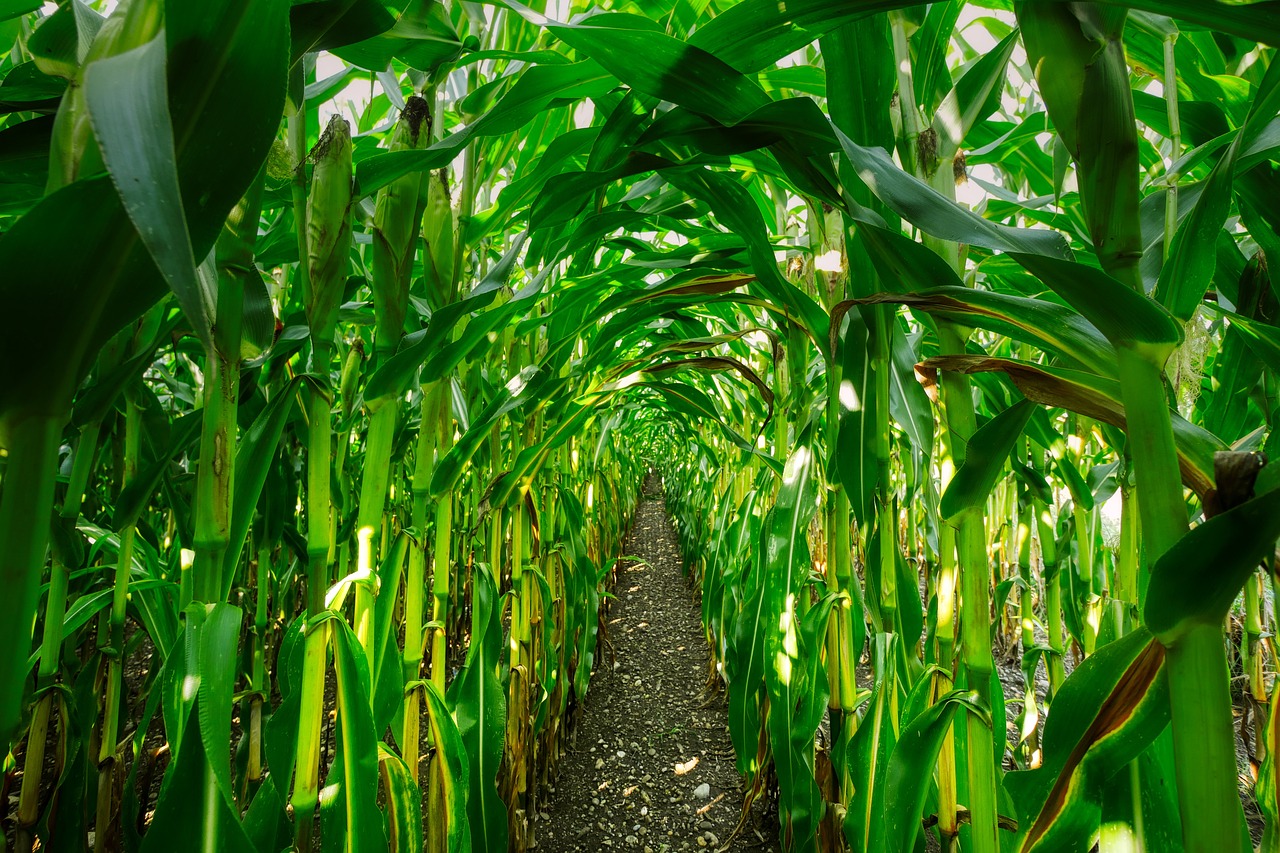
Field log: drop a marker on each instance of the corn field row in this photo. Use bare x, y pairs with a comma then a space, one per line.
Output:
337, 337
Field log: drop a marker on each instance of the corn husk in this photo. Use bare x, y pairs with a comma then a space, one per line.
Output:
328, 228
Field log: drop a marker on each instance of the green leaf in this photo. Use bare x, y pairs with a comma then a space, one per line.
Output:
254, 457
854, 453
1127, 318
786, 569
423, 38
1079, 62
926, 208
1197, 579
480, 708
1107, 712
537, 89
910, 771
330, 24
1095, 397
127, 97
192, 797
984, 460
659, 65
199, 681
870, 752
1188, 271
349, 804
404, 803
451, 770
14, 8
1054, 328
976, 95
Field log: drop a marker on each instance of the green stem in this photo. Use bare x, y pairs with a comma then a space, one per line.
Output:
1203, 741
1052, 598
114, 645
440, 565
975, 615
369, 522
1155, 459
319, 499
215, 472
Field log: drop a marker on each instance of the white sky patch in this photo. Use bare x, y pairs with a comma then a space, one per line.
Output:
584, 113
796, 57
981, 40
354, 98
971, 193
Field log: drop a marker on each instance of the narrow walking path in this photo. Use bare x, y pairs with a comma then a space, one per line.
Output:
652, 769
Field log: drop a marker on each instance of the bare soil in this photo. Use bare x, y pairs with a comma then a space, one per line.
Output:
651, 734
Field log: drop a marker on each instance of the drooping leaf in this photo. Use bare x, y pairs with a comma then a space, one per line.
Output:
1106, 713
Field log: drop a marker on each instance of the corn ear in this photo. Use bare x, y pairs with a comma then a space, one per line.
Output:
328, 229
394, 241
72, 148
438, 228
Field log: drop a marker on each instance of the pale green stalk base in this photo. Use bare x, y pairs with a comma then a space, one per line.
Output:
1203, 741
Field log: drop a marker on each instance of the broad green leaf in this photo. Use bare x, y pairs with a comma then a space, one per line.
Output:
450, 770
1197, 579
329, 24
216, 673
97, 276
786, 567
926, 208
871, 750
14, 8
910, 770
349, 807
854, 454
984, 460
193, 797
254, 457
422, 37
403, 804
1108, 711
908, 402
1079, 63
1267, 790
975, 96
1127, 318
128, 102
1054, 328
537, 89
661, 66
479, 704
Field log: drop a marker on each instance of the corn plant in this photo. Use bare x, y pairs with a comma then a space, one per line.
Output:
338, 338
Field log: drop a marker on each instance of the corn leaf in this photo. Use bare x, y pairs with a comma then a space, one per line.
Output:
1196, 581
1107, 712
984, 460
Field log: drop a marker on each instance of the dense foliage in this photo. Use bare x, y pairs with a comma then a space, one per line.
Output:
336, 338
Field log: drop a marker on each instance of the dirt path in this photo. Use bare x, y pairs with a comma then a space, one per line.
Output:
652, 768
